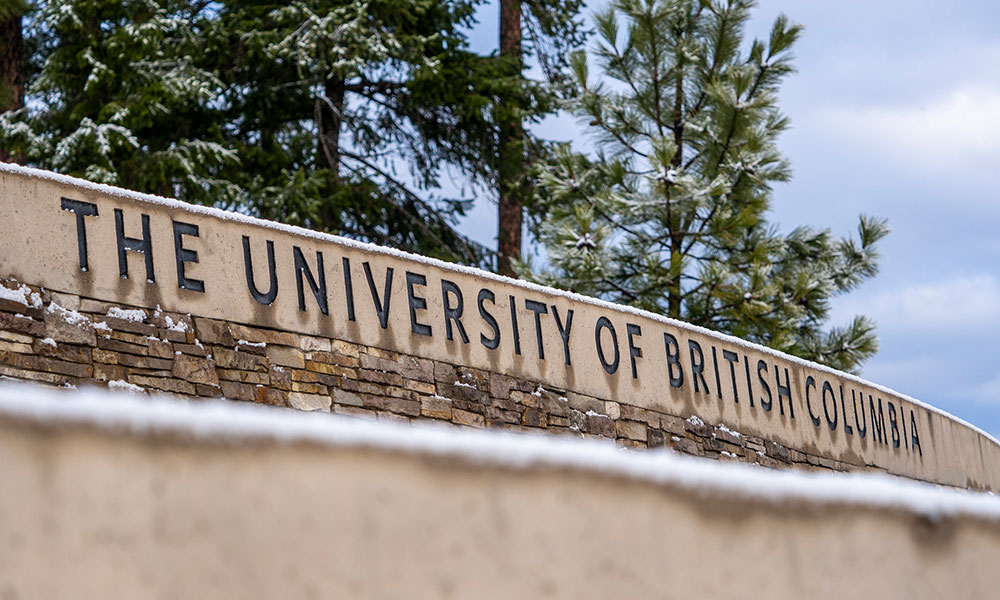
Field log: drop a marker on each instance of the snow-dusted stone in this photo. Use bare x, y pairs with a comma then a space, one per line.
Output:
195, 369
64, 325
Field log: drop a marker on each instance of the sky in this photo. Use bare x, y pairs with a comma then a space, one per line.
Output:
895, 112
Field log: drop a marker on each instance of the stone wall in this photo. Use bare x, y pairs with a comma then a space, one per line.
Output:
136, 290
66, 340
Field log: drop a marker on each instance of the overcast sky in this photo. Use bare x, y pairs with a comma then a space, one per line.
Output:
895, 112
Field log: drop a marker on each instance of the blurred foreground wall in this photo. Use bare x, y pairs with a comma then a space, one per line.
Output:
139, 512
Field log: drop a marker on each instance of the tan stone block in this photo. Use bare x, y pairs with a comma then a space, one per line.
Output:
14, 306
268, 336
313, 377
332, 358
68, 301
534, 417
462, 392
584, 403
377, 389
345, 348
419, 386
445, 373
553, 403
269, 395
470, 419
10, 336
727, 435
164, 384
207, 391
633, 430
211, 331
239, 391
554, 421
106, 343
127, 325
380, 377
388, 417
280, 377
286, 357
613, 410
500, 385
686, 446
697, 427
387, 354
173, 321
22, 324
346, 398
235, 359
195, 370
108, 372
16, 373
435, 407
18, 347
632, 413
310, 402
675, 425
777, 451
507, 417
146, 362
311, 344
78, 354
66, 326
51, 365
354, 411
397, 405
159, 348
600, 425
254, 377
309, 388
408, 367
655, 438
331, 369
527, 399
191, 349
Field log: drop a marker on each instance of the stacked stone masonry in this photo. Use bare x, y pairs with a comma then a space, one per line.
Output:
65, 340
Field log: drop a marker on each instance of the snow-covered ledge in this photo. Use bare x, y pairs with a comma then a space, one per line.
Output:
157, 497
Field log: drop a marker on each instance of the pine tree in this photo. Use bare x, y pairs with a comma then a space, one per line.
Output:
116, 98
352, 116
671, 214
347, 117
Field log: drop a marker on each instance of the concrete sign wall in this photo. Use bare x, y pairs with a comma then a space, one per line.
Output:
114, 246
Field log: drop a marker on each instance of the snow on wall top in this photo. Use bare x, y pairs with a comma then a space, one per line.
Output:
220, 421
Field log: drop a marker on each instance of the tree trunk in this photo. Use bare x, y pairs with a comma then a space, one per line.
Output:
330, 117
510, 218
11, 74
331, 121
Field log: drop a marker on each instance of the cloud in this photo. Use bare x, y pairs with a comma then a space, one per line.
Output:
969, 304
955, 131
985, 392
